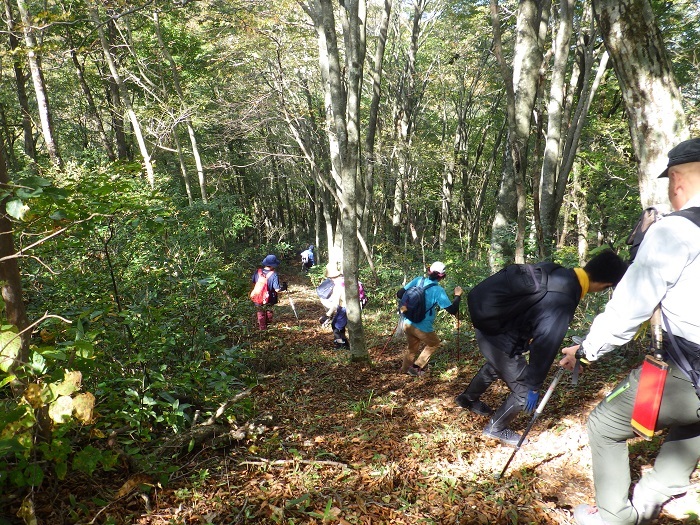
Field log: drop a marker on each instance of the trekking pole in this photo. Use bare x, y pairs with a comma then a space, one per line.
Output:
537, 413
391, 336
291, 303
458, 333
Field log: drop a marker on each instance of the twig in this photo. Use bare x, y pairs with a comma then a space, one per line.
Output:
219, 411
294, 461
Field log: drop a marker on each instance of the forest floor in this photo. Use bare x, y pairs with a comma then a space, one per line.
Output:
343, 443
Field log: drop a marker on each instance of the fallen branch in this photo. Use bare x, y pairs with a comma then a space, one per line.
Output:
294, 461
225, 406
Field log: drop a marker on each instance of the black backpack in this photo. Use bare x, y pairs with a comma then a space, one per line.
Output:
498, 300
412, 302
648, 217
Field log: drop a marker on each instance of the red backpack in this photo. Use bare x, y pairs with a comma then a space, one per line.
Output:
260, 293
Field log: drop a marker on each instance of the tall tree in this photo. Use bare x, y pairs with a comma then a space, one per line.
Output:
20, 83
124, 97
187, 119
649, 89
521, 91
344, 94
42, 98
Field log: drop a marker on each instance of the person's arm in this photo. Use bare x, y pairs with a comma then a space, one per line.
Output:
659, 263
453, 308
549, 333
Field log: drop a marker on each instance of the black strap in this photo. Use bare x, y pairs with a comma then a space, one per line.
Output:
679, 357
692, 214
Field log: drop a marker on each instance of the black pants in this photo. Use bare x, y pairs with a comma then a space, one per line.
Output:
500, 365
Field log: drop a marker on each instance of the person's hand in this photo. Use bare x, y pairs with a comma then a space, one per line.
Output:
458, 290
532, 397
324, 320
569, 360
284, 286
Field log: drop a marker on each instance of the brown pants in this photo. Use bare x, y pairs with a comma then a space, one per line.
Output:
417, 338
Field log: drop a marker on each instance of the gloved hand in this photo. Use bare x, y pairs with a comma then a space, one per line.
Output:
532, 397
284, 286
323, 320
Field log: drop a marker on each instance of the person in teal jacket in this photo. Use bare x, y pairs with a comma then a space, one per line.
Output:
422, 334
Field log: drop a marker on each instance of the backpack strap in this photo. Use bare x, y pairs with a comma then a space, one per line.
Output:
692, 214
425, 289
679, 357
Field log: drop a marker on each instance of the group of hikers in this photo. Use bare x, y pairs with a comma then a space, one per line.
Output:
521, 316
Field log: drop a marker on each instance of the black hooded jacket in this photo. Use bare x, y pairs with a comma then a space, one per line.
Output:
541, 329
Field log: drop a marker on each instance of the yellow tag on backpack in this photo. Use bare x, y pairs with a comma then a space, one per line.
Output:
648, 400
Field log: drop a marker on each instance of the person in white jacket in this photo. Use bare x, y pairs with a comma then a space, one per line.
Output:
666, 270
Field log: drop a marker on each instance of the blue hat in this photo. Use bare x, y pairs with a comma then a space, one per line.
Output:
271, 261
311, 247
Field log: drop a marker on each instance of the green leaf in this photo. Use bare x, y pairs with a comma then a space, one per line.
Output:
58, 215
10, 345
16, 209
33, 475
61, 470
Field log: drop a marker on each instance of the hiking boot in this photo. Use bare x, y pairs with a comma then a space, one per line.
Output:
587, 515
647, 503
506, 436
341, 344
415, 371
477, 406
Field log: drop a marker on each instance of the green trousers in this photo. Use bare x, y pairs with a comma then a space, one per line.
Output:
609, 429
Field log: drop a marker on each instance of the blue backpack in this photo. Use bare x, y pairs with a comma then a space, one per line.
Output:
412, 303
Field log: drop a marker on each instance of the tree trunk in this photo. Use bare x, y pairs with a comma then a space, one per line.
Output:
345, 113
115, 104
42, 99
376, 74
9, 270
521, 90
188, 121
555, 125
649, 88
183, 167
20, 83
92, 107
123, 96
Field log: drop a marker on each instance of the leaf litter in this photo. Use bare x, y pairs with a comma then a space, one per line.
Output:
349, 443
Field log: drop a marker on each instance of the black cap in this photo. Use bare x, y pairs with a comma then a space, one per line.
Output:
686, 151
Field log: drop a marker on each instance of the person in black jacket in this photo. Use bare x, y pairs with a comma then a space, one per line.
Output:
539, 331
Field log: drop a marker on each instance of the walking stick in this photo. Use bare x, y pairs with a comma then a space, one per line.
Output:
537, 413
392, 335
458, 333
291, 303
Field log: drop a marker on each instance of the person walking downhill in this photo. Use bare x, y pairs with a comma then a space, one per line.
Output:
421, 333
336, 313
266, 286
538, 330
307, 259
666, 270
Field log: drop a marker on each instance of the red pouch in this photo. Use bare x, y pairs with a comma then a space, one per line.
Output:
648, 400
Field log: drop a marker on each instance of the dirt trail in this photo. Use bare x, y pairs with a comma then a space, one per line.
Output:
361, 444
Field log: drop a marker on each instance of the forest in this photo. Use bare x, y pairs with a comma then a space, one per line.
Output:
153, 152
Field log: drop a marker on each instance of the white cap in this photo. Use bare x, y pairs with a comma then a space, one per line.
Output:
437, 267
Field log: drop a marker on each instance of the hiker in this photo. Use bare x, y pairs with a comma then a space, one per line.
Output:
336, 313
307, 258
266, 286
421, 332
539, 330
666, 270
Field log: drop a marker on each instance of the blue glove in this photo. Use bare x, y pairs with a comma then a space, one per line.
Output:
532, 397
